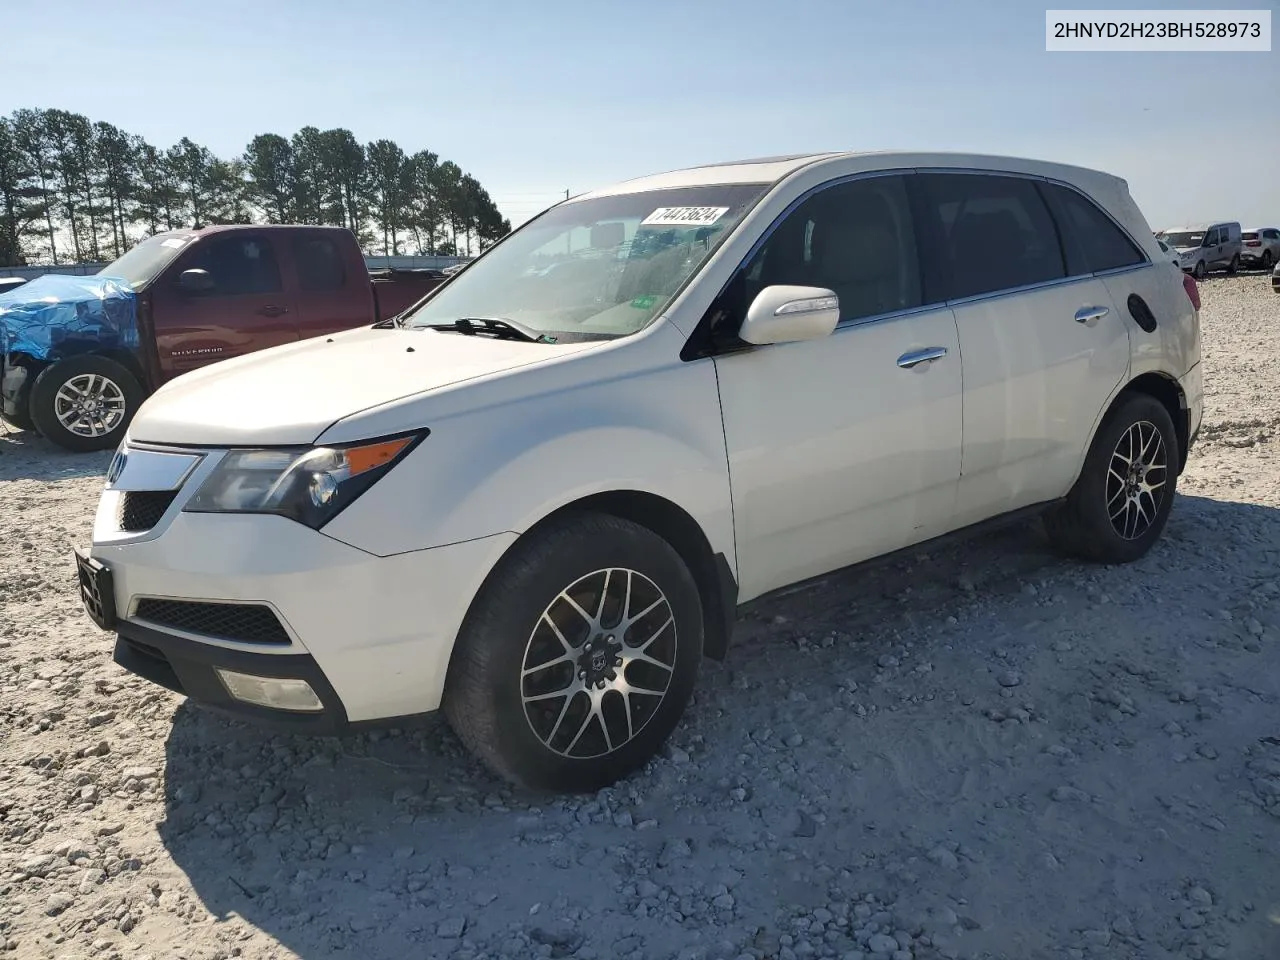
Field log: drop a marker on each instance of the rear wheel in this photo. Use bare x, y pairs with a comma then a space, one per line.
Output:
1268, 260
1234, 265
1122, 498
85, 403
578, 656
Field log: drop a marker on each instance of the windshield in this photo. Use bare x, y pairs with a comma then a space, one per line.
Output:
1191, 239
144, 262
593, 269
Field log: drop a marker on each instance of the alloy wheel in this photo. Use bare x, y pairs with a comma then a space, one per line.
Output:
1136, 480
598, 663
90, 405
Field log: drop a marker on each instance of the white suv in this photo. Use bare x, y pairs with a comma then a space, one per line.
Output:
537, 498
1260, 247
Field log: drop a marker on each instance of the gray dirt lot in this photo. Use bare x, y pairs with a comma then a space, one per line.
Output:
982, 752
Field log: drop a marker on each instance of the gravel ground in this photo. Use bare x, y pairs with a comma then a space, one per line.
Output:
983, 752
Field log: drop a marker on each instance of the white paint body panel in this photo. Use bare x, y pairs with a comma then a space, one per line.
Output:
838, 454
793, 459
1036, 381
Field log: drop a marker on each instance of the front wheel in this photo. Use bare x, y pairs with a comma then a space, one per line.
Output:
578, 656
85, 403
1122, 498
1201, 271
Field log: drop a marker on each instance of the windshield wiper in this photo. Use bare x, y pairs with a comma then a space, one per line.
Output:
501, 328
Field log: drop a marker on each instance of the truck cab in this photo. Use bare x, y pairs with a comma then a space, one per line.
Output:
82, 353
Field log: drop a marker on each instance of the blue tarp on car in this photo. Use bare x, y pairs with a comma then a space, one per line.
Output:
57, 315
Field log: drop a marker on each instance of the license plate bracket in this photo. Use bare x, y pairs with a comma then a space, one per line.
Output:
97, 590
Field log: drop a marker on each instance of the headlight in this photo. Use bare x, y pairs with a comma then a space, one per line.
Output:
309, 484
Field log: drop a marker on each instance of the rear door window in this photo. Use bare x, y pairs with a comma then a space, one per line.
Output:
991, 233
319, 264
1092, 240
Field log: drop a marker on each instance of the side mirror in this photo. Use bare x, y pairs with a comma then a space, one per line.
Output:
783, 314
195, 281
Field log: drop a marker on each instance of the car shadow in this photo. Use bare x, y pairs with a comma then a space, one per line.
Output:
396, 844
24, 454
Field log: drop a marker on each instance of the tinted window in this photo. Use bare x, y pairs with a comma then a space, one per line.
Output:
1213, 239
993, 233
237, 263
1271, 234
1092, 240
319, 263
854, 238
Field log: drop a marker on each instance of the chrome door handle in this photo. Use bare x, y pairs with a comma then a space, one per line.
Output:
1091, 315
914, 358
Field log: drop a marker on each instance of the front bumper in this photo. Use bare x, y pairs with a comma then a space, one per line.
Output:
189, 667
15, 387
372, 635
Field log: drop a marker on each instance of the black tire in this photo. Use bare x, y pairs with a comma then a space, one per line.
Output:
126, 397
1200, 271
1268, 260
486, 686
1234, 265
1082, 527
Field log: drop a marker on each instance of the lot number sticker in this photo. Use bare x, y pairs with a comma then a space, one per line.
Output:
684, 216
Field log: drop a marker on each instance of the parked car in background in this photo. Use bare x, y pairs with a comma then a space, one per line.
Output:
1172, 254
79, 354
1260, 247
1214, 246
1275, 278
537, 499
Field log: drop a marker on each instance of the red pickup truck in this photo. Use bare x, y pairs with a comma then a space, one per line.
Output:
78, 355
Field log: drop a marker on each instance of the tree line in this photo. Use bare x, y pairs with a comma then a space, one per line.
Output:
72, 190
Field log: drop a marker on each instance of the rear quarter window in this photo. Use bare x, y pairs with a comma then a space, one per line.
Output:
1092, 240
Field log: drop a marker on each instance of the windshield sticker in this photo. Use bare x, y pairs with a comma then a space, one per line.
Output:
644, 303
174, 242
684, 216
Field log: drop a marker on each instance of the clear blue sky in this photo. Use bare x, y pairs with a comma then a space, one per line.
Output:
534, 98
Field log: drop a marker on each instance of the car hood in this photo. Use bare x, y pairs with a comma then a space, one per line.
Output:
292, 393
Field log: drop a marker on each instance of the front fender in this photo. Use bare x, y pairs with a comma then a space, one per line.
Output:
504, 468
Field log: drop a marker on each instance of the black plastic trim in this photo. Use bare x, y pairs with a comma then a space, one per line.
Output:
1013, 517
727, 589
187, 667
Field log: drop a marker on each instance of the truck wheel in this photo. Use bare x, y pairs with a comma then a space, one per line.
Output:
1122, 498
1234, 265
578, 656
1200, 271
85, 403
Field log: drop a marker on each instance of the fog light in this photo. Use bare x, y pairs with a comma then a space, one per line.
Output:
274, 692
